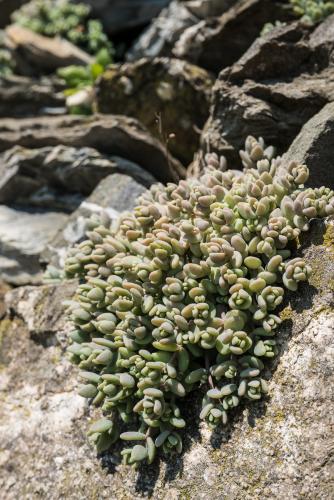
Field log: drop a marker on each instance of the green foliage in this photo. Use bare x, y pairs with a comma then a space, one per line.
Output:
6, 63
268, 27
312, 11
182, 294
62, 18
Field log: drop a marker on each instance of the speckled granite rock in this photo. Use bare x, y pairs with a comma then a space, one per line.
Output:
279, 448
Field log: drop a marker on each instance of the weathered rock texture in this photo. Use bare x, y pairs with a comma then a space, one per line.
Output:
114, 135
280, 448
115, 194
23, 237
216, 43
161, 35
121, 15
166, 95
283, 80
59, 177
21, 96
315, 146
34, 53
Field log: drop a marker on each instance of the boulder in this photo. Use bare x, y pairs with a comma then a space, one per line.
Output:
168, 96
24, 234
160, 36
284, 79
216, 43
119, 16
108, 134
59, 177
35, 54
278, 448
21, 96
314, 146
115, 194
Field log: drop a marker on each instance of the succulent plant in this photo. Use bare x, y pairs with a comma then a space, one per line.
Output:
181, 296
68, 20
312, 11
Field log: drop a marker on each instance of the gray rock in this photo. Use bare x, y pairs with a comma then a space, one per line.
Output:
59, 177
121, 15
109, 134
23, 237
35, 54
209, 8
314, 146
280, 448
283, 80
44, 300
216, 43
160, 36
174, 90
21, 96
115, 194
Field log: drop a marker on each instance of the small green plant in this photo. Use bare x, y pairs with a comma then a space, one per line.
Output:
268, 27
62, 18
312, 11
182, 294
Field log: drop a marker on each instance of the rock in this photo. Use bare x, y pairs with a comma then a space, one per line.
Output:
209, 8
114, 194
279, 448
121, 15
21, 96
314, 146
47, 302
59, 177
113, 135
35, 54
159, 38
171, 89
7, 7
216, 43
23, 236
283, 80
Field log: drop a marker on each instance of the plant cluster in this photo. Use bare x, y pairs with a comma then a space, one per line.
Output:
182, 295
62, 18
312, 11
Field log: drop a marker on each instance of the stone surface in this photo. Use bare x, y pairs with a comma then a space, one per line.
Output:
314, 146
35, 54
208, 8
160, 36
175, 91
121, 15
279, 448
115, 194
23, 236
283, 80
59, 177
21, 96
108, 134
216, 43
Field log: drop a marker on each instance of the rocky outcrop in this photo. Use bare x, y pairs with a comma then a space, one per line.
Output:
115, 194
59, 177
121, 15
23, 237
280, 447
37, 54
216, 43
284, 79
168, 96
314, 146
108, 134
21, 96
161, 35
